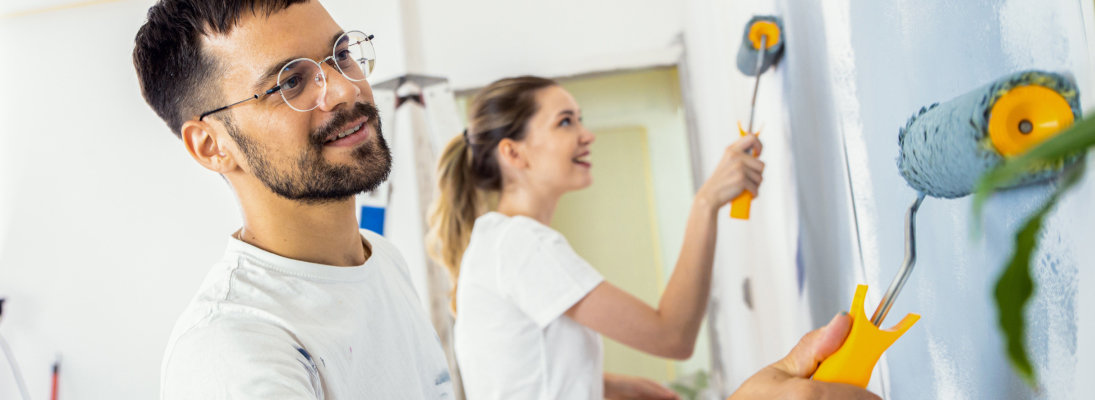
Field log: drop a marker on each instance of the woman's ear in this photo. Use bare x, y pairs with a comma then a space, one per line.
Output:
512, 153
205, 148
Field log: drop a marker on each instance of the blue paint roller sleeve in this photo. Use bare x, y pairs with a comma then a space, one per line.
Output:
750, 44
946, 147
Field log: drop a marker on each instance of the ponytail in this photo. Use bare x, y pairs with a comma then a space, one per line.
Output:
455, 209
469, 167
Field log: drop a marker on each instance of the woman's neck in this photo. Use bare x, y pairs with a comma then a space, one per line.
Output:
538, 206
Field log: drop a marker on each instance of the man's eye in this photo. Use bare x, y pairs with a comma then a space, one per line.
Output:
343, 55
292, 82
565, 122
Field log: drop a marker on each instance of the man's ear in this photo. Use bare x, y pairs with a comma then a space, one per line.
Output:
512, 153
203, 145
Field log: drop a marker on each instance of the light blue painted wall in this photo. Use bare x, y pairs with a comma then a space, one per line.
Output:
899, 56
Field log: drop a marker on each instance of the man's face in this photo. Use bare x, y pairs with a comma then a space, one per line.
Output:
298, 155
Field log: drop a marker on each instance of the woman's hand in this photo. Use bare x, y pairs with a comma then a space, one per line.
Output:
738, 171
623, 387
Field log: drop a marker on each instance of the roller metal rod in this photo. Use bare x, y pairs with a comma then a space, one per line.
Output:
906, 267
756, 86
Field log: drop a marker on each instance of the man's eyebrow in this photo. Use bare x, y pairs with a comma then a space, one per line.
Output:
274, 69
271, 73
334, 40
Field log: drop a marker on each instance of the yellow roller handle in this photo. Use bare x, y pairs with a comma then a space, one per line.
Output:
739, 208
854, 361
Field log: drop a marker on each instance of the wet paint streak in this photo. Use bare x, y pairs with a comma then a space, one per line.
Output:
313, 372
800, 265
1052, 329
442, 378
843, 73
838, 30
947, 377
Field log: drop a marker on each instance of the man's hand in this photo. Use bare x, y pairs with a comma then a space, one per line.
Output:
789, 378
623, 387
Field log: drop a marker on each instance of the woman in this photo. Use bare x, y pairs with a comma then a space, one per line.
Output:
529, 310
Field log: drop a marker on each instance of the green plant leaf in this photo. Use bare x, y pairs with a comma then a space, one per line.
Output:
1015, 287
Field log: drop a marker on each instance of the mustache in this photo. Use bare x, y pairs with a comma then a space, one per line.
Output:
336, 124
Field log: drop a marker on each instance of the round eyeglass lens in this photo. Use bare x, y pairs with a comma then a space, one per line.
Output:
302, 84
354, 55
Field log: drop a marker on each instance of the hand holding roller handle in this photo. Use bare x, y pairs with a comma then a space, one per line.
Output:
789, 378
738, 172
762, 41
740, 207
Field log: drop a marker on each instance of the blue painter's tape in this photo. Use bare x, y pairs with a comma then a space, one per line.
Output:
372, 218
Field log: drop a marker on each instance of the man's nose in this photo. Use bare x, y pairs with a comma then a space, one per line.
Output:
341, 92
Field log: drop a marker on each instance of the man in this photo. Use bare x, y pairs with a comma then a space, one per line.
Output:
272, 95
303, 305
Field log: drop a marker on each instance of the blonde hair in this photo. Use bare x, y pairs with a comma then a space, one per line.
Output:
468, 167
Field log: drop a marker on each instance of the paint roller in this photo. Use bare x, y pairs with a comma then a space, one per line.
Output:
944, 149
761, 48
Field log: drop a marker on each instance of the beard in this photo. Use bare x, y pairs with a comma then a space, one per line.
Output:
313, 180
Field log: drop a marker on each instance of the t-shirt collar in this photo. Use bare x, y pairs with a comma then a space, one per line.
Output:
303, 269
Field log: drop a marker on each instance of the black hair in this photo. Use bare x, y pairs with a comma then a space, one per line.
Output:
173, 70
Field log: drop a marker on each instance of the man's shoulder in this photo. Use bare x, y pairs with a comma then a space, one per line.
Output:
214, 311
229, 352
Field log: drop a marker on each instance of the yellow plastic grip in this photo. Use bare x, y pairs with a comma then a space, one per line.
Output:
853, 362
1025, 117
739, 208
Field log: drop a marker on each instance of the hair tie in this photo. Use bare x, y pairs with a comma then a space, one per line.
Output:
466, 140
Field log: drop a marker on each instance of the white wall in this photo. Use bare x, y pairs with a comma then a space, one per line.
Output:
110, 226
764, 251
475, 42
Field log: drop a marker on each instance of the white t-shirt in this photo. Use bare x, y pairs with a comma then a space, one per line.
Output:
264, 326
512, 341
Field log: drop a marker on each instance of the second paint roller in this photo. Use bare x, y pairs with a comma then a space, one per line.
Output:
761, 48
944, 150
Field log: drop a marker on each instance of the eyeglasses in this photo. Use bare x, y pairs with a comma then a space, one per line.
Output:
302, 83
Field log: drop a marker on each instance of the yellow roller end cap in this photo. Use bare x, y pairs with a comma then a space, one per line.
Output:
764, 28
1025, 117
854, 361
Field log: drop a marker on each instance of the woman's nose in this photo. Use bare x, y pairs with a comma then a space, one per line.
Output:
587, 136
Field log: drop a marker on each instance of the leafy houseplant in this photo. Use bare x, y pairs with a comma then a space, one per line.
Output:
1015, 287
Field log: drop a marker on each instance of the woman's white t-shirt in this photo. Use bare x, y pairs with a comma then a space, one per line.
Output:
512, 341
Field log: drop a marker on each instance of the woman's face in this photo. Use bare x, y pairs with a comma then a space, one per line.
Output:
556, 146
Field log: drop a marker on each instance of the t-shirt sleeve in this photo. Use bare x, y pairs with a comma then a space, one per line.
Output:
542, 274
246, 360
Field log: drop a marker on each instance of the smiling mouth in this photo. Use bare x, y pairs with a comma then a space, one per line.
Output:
583, 160
349, 133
